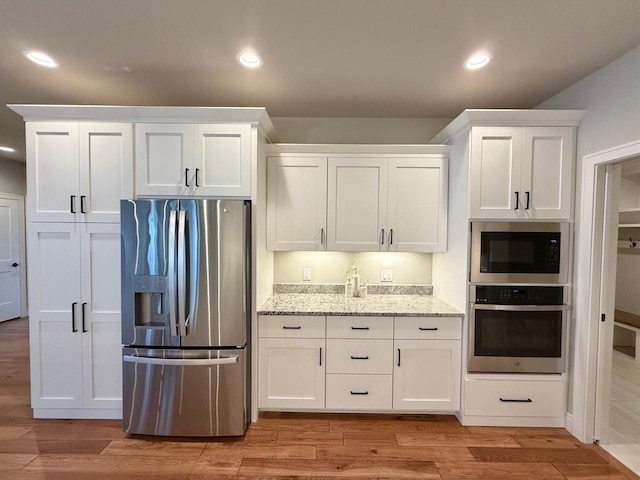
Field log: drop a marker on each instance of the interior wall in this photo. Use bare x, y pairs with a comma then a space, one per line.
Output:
13, 177
611, 96
331, 267
357, 130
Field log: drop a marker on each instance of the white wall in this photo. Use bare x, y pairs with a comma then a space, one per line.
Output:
331, 267
357, 130
611, 97
12, 177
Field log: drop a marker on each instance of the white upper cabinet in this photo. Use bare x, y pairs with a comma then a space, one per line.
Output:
521, 172
200, 159
78, 172
320, 199
357, 204
164, 158
417, 213
296, 203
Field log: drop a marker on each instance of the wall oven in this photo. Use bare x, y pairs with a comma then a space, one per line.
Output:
517, 329
515, 252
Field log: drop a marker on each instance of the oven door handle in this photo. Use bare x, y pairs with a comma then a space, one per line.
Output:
521, 308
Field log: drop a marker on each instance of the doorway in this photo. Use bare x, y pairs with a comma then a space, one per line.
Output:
617, 420
12, 265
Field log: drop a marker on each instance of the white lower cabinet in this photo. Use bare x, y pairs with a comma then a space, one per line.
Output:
426, 375
366, 368
532, 400
74, 283
359, 392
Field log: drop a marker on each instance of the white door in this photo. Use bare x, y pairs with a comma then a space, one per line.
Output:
495, 173
357, 205
222, 160
10, 268
607, 299
106, 169
291, 373
55, 315
296, 203
164, 159
417, 213
546, 176
100, 315
53, 180
426, 375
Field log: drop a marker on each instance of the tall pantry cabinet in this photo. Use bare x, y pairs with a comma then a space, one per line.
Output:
76, 175
81, 161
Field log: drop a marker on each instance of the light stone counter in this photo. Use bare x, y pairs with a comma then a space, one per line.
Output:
373, 305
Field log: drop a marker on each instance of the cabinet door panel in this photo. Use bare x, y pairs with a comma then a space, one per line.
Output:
54, 272
296, 203
52, 161
291, 373
495, 172
164, 152
106, 169
428, 377
222, 159
357, 204
417, 216
547, 170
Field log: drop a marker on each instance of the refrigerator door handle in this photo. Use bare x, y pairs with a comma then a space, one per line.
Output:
172, 273
182, 273
181, 361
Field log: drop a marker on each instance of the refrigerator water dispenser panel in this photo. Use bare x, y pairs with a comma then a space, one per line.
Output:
150, 292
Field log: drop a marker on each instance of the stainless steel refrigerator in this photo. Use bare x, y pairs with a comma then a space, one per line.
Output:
185, 316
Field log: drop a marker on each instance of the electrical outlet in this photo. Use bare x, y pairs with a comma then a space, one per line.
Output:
386, 275
306, 274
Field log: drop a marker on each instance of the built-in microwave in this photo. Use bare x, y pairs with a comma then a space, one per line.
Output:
519, 252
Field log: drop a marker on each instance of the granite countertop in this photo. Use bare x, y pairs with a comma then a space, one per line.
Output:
337, 304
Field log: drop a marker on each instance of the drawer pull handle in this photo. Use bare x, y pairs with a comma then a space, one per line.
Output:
359, 393
359, 358
320, 356
285, 327
515, 400
429, 329
359, 328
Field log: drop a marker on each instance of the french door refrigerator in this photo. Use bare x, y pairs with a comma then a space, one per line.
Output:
185, 316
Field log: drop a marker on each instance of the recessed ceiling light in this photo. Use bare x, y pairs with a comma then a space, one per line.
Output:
42, 58
7, 149
249, 60
476, 61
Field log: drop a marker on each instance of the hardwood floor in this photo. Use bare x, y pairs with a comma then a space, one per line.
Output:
280, 445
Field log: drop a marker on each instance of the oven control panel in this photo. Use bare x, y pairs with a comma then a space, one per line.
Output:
504, 295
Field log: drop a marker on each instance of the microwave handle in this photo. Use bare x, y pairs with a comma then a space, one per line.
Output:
521, 308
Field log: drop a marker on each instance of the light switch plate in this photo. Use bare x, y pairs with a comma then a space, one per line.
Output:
306, 274
386, 275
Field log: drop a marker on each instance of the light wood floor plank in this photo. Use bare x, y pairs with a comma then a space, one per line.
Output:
424, 439
498, 471
537, 455
238, 452
151, 448
12, 461
375, 437
29, 445
289, 437
394, 453
550, 441
591, 472
339, 469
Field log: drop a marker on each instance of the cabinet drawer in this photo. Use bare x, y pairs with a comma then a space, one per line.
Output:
291, 326
359, 392
496, 398
360, 327
359, 356
428, 328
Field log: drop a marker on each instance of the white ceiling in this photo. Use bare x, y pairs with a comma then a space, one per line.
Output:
334, 58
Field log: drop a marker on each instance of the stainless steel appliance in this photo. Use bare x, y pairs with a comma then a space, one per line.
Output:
517, 329
517, 252
185, 316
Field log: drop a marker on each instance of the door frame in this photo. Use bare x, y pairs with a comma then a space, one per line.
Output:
587, 287
24, 309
